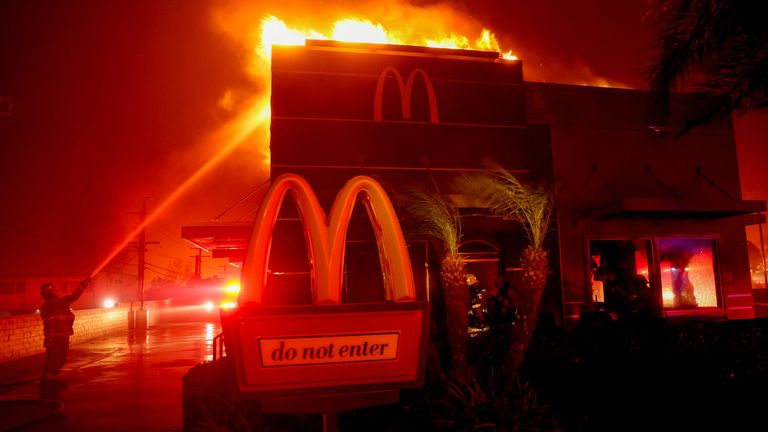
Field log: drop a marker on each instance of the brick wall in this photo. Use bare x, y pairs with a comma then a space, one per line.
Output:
94, 323
22, 335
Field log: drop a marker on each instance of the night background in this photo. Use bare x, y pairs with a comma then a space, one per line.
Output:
106, 107
115, 102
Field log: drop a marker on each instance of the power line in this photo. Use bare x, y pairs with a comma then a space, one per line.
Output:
165, 269
166, 232
248, 195
165, 272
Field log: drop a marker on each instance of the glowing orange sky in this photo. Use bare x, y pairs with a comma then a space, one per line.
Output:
105, 121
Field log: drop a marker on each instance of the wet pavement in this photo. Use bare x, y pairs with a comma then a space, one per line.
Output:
117, 383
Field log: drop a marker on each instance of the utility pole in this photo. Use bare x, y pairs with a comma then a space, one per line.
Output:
142, 315
142, 251
198, 265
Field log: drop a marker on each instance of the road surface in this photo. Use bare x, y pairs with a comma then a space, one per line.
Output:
118, 383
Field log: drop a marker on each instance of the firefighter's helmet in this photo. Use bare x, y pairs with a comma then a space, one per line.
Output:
46, 289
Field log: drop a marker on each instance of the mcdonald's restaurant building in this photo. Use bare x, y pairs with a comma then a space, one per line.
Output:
632, 202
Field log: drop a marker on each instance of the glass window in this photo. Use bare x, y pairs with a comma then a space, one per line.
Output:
6, 288
688, 273
619, 276
755, 251
12, 288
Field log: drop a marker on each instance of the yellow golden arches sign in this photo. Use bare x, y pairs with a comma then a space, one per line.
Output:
406, 89
326, 243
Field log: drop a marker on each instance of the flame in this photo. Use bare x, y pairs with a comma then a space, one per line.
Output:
356, 30
256, 27
275, 31
397, 23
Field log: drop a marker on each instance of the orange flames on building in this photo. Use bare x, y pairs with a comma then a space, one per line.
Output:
276, 32
250, 110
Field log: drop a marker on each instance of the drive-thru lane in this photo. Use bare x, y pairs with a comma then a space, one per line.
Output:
124, 382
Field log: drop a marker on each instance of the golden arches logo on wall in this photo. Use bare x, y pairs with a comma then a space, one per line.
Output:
326, 242
406, 90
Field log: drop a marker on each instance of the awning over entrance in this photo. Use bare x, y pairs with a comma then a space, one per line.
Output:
654, 208
221, 240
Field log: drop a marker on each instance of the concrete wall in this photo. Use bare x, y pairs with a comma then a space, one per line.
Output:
22, 335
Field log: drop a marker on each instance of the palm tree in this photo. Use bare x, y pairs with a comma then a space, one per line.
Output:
717, 48
439, 220
506, 196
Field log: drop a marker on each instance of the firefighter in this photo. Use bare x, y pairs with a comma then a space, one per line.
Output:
478, 307
58, 319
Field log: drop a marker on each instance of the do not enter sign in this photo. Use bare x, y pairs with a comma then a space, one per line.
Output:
328, 349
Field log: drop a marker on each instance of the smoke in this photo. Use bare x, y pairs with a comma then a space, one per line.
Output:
535, 35
241, 21
165, 87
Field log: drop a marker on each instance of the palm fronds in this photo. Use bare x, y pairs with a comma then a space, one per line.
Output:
437, 219
506, 196
722, 43
532, 206
490, 402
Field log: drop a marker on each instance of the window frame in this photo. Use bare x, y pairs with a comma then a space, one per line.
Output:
13, 287
652, 277
654, 266
716, 268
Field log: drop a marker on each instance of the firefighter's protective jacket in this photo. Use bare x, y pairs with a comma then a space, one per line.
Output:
58, 317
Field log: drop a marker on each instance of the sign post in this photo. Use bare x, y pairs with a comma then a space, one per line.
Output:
329, 356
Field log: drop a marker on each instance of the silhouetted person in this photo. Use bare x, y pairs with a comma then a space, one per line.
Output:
682, 287
478, 306
502, 312
645, 302
58, 319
